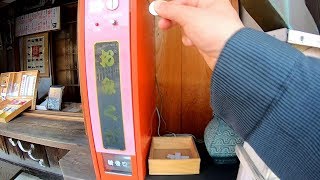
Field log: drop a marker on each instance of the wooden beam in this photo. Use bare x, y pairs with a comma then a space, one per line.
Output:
168, 72
53, 116
3, 145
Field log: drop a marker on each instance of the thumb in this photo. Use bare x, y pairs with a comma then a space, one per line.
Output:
174, 12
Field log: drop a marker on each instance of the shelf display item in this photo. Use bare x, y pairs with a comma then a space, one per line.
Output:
55, 98
18, 93
173, 156
4, 81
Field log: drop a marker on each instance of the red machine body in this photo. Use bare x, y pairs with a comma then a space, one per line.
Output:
117, 76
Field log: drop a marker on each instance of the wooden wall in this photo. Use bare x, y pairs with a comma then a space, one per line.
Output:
9, 58
65, 57
184, 84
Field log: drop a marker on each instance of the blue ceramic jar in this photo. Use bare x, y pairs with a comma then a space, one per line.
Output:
220, 141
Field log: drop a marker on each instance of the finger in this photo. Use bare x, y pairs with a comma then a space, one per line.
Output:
165, 24
175, 12
186, 41
193, 3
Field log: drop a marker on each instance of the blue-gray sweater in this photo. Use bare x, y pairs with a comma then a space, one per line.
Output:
269, 93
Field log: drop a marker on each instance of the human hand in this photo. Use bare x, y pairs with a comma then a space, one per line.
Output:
207, 24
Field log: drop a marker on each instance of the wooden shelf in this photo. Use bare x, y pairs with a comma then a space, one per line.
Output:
55, 115
54, 133
63, 134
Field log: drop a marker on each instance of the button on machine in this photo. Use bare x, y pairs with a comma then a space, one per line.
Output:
152, 10
113, 22
112, 4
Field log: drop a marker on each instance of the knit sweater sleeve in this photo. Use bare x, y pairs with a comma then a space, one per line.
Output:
269, 93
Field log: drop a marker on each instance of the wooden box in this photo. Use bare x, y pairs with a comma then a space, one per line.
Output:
159, 164
18, 93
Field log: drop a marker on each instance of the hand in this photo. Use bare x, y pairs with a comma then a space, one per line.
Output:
207, 24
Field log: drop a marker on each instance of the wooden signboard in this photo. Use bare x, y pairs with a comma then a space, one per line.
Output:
40, 21
19, 92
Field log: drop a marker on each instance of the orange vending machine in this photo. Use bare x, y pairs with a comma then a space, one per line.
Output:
117, 74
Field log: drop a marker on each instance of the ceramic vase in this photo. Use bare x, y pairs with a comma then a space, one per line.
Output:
220, 141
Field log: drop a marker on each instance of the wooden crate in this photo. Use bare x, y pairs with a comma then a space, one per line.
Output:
159, 164
20, 92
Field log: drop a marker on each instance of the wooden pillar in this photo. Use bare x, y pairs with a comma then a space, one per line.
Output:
184, 83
